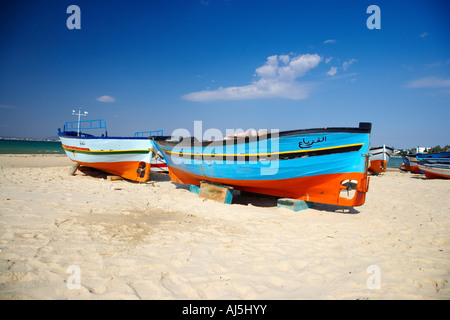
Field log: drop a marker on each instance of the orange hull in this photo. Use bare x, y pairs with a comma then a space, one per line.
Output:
131, 170
414, 168
436, 173
432, 175
325, 188
377, 166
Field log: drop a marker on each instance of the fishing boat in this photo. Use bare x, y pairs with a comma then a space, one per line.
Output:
129, 157
405, 165
435, 161
379, 157
413, 163
437, 155
157, 164
435, 167
325, 165
414, 159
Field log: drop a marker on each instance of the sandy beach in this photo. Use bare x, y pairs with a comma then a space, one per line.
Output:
84, 237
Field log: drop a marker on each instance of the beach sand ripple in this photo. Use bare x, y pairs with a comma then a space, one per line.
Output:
159, 241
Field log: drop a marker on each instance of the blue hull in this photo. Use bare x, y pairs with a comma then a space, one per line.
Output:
313, 165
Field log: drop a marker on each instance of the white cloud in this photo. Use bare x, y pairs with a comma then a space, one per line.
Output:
276, 79
284, 58
424, 35
332, 71
429, 82
329, 41
106, 99
346, 64
327, 60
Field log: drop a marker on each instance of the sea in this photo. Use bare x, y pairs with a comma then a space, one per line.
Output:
54, 147
394, 162
30, 147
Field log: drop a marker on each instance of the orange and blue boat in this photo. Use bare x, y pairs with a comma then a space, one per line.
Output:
132, 158
435, 168
405, 165
323, 165
414, 159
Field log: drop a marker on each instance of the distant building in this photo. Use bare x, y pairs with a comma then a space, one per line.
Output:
422, 149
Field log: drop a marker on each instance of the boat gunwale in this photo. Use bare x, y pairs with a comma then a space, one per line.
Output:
192, 141
436, 166
63, 135
284, 155
374, 148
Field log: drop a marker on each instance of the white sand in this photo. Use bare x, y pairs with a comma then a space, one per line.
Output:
159, 241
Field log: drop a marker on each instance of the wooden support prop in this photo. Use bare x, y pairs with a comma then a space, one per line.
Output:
114, 178
194, 189
293, 204
73, 168
216, 192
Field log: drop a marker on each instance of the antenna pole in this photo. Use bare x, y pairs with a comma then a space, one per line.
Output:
79, 114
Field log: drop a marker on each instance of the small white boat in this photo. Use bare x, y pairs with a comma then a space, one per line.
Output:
379, 158
129, 157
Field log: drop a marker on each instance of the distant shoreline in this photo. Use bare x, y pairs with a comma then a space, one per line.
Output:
29, 139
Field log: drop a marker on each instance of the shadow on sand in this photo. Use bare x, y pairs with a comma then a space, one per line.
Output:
240, 198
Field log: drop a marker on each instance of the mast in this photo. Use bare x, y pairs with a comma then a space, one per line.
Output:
79, 114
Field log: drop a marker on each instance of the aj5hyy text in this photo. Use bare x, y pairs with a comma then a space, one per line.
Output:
231, 310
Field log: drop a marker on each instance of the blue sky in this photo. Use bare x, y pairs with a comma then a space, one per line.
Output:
148, 65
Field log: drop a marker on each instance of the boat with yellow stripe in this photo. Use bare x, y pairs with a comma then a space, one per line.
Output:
132, 158
325, 165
